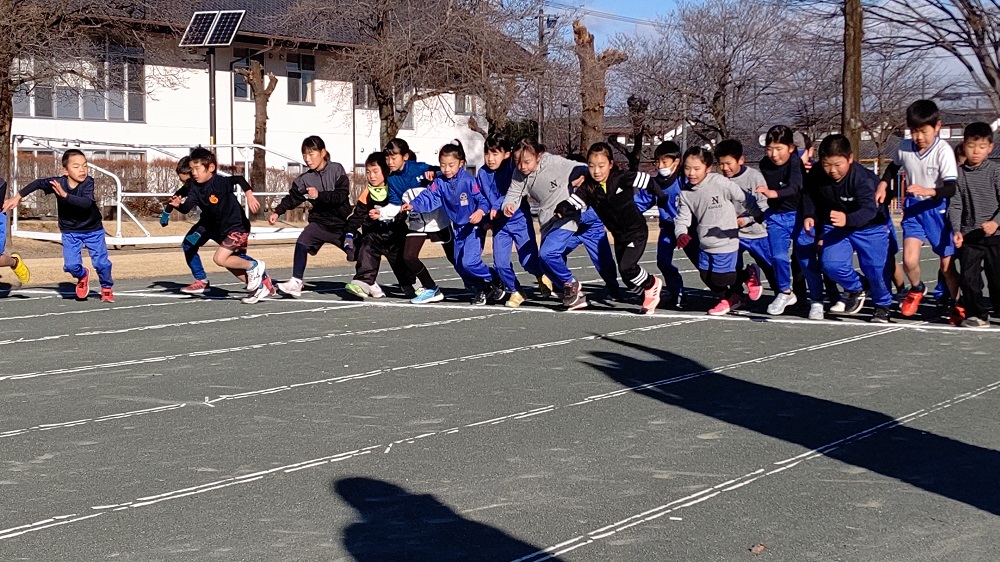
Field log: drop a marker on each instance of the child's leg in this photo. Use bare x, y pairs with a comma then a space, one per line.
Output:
993, 276
872, 245
552, 255
635, 276
951, 277
469, 257
309, 242
392, 249
195, 238
972, 257
665, 245
807, 250
411, 257
913, 240
97, 247
369, 258
779, 238
72, 248
448, 245
503, 243
595, 240
838, 259
523, 232
229, 254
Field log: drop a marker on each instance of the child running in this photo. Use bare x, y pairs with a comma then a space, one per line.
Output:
783, 172
199, 234
407, 179
663, 192
383, 233
548, 179
13, 260
709, 200
516, 231
326, 185
931, 171
457, 192
218, 203
79, 222
973, 214
610, 192
753, 236
839, 206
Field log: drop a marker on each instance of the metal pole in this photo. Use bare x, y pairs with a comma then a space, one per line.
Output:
544, 54
211, 96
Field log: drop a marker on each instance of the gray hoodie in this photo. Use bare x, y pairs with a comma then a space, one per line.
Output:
712, 205
748, 180
548, 185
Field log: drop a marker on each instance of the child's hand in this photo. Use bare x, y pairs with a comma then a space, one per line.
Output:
958, 239
683, 240
374, 214
808, 224
880, 192
477, 216
312, 193
742, 221
509, 211
57, 188
920, 191
990, 227
493, 214
838, 218
406, 208
175, 201
11, 203
273, 218
252, 202
578, 181
430, 175
769, 193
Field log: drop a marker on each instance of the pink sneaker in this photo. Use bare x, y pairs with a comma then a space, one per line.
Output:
199, 287
754, 288
725, 306
651, 296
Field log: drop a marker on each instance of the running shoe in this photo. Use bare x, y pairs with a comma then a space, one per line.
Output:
428, 295
816, 310
20, 270
855, 302
912, 300
107, 295
255, 275
515, 300
754, 288
356, 289
573, 297
292, 287
651, 296
199, 287
780, 302
83, 285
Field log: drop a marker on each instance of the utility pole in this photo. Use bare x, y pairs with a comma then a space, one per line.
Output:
543, 52
850, 118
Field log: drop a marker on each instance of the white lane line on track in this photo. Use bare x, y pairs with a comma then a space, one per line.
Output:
86, 311
532, 414
217, 351
744, 480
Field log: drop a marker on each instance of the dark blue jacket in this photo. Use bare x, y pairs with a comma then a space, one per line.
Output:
219, 206
460, 196
495, 183
663, 192
412, 175
787, 180
853, 195
78, 211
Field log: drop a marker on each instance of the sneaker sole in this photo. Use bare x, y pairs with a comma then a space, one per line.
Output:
359, 292
719, 312
199, 292
582, 303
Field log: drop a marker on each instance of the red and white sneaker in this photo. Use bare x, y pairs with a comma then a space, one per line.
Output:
651, 296
912, 301
754, 288
83, 285
107, 295
199, 287
725, 306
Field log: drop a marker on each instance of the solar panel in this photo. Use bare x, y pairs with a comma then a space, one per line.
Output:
199, 28
225, 29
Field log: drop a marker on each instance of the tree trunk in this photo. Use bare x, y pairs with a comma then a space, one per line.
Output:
593, 89
261, 95
850, 118
388, 127
6, 127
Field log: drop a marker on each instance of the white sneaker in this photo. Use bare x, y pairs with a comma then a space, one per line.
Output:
816, 310
777, 306
255, 275
838, 307
376, 292
260, 294
292, 287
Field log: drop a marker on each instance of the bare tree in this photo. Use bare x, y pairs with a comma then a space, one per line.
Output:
968, 30
593, 85
638, 116
254, 77
891, 83
850, 118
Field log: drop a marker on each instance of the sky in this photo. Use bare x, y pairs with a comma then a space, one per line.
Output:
602, 27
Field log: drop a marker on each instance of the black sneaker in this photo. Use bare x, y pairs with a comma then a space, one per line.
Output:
854, 302
573, 298
881, 315
480, 298
496, 293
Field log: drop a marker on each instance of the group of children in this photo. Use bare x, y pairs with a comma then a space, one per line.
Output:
792, 217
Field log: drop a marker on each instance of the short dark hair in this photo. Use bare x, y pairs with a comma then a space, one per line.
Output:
978, 131
453, 148
378, 159
922, 113
313, 142
71, 153
729, 147
184, 165
530, 144
203, 156
399, 146
602, 148
668, 149
780, 134
702, 154
835, 145
497, 142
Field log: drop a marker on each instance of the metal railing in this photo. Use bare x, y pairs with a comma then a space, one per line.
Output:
60, 145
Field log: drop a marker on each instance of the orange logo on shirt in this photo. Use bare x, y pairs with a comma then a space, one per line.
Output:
213, 199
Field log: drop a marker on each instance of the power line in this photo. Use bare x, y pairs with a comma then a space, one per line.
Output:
603, 15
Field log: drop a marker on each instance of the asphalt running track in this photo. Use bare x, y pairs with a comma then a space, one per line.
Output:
166, 427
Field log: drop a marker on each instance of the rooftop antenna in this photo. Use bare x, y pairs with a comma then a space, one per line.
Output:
211, 29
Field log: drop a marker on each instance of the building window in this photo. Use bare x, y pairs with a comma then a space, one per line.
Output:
295, 168
22, 101
44, 101
67, 103
464, 104
364, 97
301, 76
241, 90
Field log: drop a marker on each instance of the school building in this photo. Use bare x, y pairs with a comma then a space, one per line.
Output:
160, 96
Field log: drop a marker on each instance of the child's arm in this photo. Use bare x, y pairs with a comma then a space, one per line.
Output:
429, 200
512, 202
795, 179
13, 201
955, 208
295, 197
488, 187
482, 203
189, 203
341, 194
864, 194
83, 198
243, 184
359, 216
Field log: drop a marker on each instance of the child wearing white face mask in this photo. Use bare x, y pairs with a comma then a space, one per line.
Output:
663, 192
